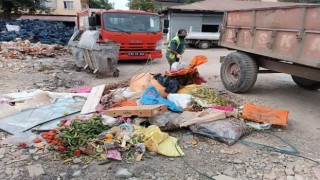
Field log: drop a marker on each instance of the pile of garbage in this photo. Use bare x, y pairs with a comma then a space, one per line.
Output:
123, 122
25, 50
46, 32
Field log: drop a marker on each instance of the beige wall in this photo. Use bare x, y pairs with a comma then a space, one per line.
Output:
59, 9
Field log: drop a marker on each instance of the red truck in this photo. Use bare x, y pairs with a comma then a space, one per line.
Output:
138, 32
283, 40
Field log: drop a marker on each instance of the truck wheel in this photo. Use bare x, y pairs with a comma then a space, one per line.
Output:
116, 73
306, 83
204, 44
238, 72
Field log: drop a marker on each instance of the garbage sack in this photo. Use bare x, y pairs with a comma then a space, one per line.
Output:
163, 119
152, 97
265, 114
227, 131
169, 147
157, 141
203, 95
121, 94
190, 75
196, 61
140, 82
180, 100
170, 83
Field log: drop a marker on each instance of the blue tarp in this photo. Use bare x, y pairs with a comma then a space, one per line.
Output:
46, 32
152, 97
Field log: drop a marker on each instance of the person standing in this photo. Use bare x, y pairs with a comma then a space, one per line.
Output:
176, 47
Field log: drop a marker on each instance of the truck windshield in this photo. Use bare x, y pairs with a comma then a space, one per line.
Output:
126, 22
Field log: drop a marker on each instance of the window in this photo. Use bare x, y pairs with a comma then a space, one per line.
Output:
125, 22
84, 6
210, 28
68, 4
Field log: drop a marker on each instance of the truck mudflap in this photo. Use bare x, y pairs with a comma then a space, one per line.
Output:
101, 58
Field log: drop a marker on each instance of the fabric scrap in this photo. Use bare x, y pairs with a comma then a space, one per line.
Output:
114, 154
265, 114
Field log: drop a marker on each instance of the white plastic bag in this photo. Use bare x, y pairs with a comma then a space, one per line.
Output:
122, 94
176, 66
108, 120
180, 100
13, 28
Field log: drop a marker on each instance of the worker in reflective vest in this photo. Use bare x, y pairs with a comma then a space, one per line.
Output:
176, 47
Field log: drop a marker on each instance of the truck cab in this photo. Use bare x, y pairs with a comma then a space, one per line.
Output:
138, 32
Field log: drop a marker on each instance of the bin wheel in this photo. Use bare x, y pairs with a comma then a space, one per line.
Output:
306, 83
238, 72
204, 44
116, 73
78, 69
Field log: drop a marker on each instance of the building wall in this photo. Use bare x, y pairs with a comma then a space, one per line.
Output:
59, 6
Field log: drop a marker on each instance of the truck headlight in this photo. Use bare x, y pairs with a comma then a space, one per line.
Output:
159, 45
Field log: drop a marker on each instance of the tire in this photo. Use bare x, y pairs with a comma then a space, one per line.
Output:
116, 73
306, 83
204, 44
191, 45
238, 72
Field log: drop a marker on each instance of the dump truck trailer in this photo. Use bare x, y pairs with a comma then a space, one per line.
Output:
282, 40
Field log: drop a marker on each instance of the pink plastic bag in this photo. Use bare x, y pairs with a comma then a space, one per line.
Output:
114, 154
224, 108
81, 90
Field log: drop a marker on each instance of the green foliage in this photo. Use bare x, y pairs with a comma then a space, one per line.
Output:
10, 7
301, 1
100, 4
144, 5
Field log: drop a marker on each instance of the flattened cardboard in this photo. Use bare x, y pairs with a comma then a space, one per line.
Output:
140, 111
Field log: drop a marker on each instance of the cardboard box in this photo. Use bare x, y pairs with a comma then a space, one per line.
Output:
140, 111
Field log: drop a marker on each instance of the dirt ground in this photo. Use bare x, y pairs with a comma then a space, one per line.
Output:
272, 90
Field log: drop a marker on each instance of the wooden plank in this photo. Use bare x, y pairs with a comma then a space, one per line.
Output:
93, 99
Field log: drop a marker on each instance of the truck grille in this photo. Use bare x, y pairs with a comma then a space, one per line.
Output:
138, 47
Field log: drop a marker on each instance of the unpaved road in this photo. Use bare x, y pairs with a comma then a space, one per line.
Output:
272, 90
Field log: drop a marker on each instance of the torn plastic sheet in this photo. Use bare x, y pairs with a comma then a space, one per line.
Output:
27, 119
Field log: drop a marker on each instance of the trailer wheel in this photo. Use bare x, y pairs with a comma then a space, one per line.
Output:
238, 72
204, 44
306, 83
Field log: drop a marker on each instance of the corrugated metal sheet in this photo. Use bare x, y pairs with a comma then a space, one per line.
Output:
50, 18
230, 5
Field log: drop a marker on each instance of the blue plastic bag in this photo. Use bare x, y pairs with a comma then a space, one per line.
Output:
151, 97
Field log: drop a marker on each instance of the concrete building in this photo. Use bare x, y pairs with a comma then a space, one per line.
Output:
62, 10
207, 15
67, 7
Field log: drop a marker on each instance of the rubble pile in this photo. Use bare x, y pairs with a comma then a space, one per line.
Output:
25, 50
46, 32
